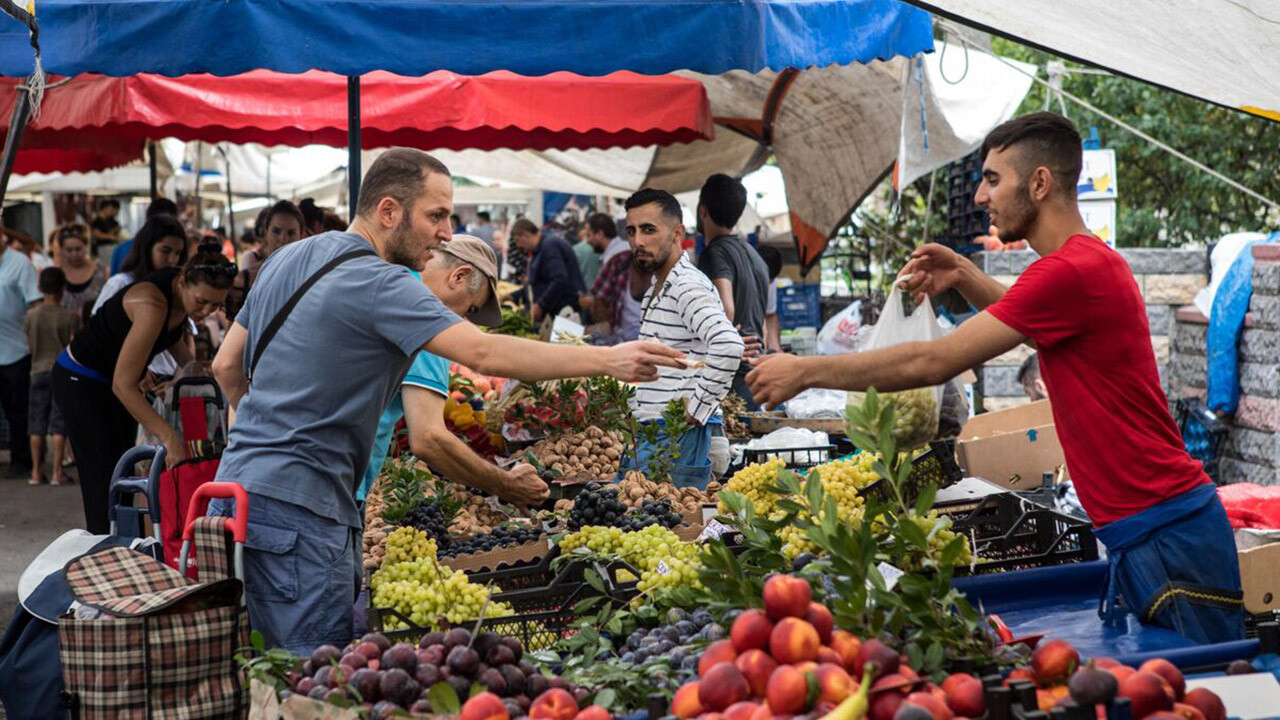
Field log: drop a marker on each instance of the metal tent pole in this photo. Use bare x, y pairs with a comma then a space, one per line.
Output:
353, 144
151, 162
17, 123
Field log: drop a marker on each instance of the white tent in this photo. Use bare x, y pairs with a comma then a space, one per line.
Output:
1223, 51
835, 132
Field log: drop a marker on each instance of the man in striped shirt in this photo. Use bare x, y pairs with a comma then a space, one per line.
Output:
680, 310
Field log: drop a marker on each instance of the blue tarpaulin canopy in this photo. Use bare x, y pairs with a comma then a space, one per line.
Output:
414, 37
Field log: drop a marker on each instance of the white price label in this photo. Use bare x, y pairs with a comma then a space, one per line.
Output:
890, 574
714, 529
662, 568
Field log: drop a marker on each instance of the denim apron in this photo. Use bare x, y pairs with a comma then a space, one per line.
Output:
692, 468
1174, 565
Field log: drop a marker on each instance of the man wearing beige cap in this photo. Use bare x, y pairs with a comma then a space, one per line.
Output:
462, 273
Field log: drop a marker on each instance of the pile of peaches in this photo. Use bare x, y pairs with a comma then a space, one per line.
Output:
789, 662
1156, 689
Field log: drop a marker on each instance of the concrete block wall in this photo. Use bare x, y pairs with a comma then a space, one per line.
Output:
1252, 450
1168, 280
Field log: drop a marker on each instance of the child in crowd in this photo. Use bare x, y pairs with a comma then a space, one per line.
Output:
49, 328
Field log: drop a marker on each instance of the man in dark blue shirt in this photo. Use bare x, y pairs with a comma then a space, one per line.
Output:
554, 277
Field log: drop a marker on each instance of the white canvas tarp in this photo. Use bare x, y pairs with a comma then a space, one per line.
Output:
1223, 51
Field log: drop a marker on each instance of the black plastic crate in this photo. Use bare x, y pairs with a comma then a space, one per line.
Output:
1009, 533
1202, 433
543, 614
936, 465
795, 458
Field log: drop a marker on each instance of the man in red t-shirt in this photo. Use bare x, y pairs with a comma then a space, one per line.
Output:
1171, 549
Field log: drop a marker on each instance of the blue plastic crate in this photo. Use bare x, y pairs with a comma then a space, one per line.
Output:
1202, 433
799, 306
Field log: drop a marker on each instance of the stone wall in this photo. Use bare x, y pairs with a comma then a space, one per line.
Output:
1252, 450
1168, 279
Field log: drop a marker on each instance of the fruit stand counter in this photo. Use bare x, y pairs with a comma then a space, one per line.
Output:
1062, 602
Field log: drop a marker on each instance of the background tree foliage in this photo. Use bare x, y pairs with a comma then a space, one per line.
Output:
1164, 201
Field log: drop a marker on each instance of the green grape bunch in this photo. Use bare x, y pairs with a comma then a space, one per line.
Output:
753, 482
412, 582
915, 415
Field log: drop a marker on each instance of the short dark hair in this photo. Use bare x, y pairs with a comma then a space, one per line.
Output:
309, 211
52, 281
1046, 139
138, 261
483, 216
724, 198
162, 206
285, 207
667, 203
1030, 369
524, 226
208, 267
772, 259
108, 202
333, 221
601, 223
399, 174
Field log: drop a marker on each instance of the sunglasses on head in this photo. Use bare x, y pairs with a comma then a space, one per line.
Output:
71, 232
215, 268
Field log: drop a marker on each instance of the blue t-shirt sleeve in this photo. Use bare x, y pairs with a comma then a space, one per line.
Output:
28, 282
429, 371
407, 314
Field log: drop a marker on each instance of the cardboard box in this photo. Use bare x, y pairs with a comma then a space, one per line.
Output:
1012, 448
1259, 556
499, 558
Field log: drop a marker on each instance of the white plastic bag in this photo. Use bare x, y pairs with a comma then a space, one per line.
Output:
838, 335
917, 410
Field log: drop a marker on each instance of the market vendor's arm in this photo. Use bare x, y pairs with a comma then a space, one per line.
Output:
149, 314
777, 378
935, 268
531, 360
430, 440
228, 365
724, 288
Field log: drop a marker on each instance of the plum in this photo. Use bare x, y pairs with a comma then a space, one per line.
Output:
517, 648
377, 639
366, 682
401, 656
499, 655
435, 637
463, 661
494, 681
427, 675
398, 687
515, 679
456, 637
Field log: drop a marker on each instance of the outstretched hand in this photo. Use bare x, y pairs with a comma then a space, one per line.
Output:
638, 361
932, 269
774, 379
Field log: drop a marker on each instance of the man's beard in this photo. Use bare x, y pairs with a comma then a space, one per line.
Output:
399, 250
652, 265
1017, 221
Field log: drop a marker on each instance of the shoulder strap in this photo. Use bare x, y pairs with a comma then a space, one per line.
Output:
284, 312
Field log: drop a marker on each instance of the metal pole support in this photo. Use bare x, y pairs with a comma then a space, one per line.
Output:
353, 144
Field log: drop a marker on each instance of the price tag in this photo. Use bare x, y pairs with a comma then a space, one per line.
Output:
890, 574
662, 568
714, 529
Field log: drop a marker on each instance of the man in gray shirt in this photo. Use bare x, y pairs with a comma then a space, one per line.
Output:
304, 430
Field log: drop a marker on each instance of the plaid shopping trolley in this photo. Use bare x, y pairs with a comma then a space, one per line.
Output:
146, 642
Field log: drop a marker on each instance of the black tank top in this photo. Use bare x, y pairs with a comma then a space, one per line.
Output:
97, 346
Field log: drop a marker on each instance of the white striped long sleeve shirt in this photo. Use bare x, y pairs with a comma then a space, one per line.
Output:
686, 314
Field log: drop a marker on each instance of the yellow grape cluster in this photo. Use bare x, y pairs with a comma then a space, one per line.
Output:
663, 559
753, 481
413, 583
841, 481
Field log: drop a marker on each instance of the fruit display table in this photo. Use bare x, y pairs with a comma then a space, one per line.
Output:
1062, 601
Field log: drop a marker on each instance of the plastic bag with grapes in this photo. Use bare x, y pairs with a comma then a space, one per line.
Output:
917, 409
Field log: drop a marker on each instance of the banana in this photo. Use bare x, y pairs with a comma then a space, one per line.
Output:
854, 707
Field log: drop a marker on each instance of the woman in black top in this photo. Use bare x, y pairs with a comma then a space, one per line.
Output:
95, 380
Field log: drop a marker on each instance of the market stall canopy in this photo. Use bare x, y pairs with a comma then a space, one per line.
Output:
415, 37
834, 132
1223, 51
108, 118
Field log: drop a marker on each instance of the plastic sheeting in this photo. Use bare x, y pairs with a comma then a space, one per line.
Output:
414, 37
1230, 305
1223, 51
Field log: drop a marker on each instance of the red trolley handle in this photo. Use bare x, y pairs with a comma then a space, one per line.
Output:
238, 525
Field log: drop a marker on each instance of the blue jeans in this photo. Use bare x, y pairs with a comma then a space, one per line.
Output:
302, 574
691, 469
